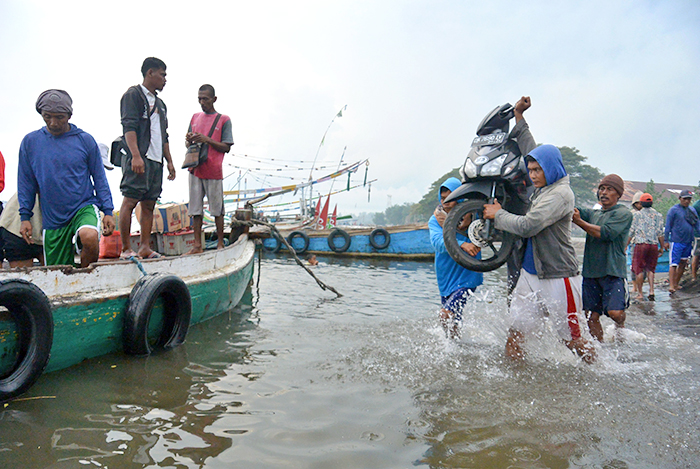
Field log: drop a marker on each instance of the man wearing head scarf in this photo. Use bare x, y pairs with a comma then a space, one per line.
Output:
456, 283
63, 165
549, 282
604, 259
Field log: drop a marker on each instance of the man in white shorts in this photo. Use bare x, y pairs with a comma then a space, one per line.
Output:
549, 283
213, 131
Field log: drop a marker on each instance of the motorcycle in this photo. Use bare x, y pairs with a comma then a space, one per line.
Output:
495, 168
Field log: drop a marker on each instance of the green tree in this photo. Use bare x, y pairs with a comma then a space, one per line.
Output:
421, 211
661, 203
583, 178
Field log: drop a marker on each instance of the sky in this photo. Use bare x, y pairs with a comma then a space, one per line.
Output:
617, 80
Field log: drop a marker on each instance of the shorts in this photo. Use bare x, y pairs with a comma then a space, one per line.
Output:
680, 252
146, 186
17, 249
604, 294
213, 189
61, 244
456, 300
645, 258
557, 298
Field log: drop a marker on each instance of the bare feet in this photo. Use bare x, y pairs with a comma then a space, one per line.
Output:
449, 324
195, 250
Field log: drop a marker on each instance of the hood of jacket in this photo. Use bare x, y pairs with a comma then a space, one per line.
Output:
451, 184
549, 158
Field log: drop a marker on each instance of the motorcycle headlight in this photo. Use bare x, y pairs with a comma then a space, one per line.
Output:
469, 168
511, 166
493, 167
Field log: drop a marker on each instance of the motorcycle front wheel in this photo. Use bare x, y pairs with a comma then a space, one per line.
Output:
495, 247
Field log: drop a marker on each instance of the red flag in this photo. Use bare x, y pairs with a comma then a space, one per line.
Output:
317, 212
334, 217
323, 218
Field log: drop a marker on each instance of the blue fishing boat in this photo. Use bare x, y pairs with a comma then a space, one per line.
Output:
402, 241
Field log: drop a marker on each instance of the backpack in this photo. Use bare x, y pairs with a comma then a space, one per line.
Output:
118, 149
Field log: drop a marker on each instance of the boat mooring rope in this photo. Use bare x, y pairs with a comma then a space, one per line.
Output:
236, 223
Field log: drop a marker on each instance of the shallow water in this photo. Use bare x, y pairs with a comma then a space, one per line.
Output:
297, 378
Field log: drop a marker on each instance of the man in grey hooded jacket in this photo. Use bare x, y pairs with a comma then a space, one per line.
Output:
549, 282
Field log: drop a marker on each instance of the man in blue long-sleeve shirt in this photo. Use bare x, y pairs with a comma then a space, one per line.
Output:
63, 165
681, 225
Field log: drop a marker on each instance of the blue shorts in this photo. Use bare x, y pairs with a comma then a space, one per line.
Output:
604, 294
456, 301
680, 252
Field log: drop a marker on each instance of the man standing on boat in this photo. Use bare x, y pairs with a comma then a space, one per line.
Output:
604, 259
63, 165
456, 283
213, 130
145, 124
549, 281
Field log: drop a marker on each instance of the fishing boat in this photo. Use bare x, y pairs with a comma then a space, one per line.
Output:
401, 241
55, 317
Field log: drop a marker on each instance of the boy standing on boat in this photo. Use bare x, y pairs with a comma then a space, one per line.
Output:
549, 281
145, 124
63, 165
456, 283
604, 259
206, 179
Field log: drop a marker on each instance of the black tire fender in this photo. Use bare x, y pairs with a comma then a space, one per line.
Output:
346, 240
303, 236
278, 243
373, 238
30, 309
176, 315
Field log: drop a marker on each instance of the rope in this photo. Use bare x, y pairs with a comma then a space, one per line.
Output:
138, 264
236, 223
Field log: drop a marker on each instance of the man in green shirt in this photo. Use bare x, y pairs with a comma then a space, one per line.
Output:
604, 260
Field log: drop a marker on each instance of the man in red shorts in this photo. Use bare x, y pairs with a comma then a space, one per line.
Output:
647, 236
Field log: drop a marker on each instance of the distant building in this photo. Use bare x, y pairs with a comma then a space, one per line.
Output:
667, 190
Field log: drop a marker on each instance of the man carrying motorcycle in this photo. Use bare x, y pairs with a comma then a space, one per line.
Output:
549, 279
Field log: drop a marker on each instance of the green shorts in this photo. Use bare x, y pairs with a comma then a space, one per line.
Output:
61, 244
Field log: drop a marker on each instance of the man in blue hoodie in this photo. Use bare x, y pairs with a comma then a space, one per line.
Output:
455, 282
63, 165
549, 282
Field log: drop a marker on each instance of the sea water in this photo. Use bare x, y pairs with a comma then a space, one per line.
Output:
296, 377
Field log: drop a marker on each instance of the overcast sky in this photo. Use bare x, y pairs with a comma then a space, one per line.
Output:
619, 80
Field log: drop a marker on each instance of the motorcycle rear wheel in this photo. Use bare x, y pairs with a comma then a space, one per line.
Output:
493, 255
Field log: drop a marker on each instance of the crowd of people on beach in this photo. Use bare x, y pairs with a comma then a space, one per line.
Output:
548, 282
63, 203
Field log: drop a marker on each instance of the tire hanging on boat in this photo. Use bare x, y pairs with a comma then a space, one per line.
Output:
331, 240
277, 243
303, 236
373, 238
177, 311
30, 310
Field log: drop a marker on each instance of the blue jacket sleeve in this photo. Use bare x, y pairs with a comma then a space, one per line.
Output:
99, 178
27, 185
669, 223
436, 238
